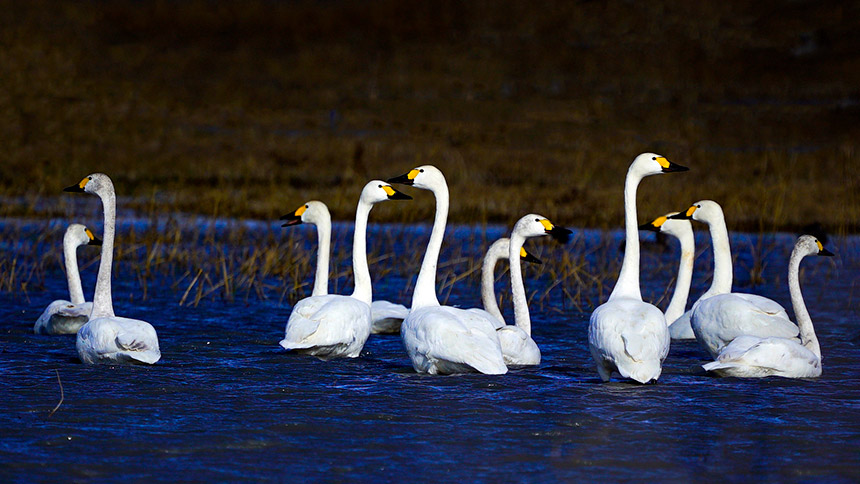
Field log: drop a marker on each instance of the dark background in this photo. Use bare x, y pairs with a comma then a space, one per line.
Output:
249, 108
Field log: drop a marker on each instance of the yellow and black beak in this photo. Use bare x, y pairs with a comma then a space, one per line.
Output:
527, 257
394, 194
93, 239
407, 179
668, 166
654, 226
294, 218
685, 215
560, 234
79, 187
823, 251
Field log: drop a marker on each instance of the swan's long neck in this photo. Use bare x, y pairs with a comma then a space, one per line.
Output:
425, 287
518, 289
497, 251
76, 291
628, 279
804, 322
323, 253
678, 304
363, 287
722, 282
102, 301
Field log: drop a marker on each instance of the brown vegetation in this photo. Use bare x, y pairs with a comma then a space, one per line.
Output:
248, 108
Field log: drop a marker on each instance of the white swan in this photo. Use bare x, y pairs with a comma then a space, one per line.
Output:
751, 356
61, 316
386, 316
626, 334
442, 339
106, 338
332, 326
676, 316
518, 347
498, 250
719, 315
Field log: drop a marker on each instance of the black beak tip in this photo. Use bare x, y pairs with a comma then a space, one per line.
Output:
95, 241
73, 188
679, 216
402, 179
399, 196
672, 168
560, 234
826, 253
650, 227
532, 259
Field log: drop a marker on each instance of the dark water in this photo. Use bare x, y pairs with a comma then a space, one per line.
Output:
225, 403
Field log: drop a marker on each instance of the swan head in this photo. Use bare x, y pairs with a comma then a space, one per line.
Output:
668, 225
78, 235
426, 177
96, 183
702, 211
653, 164
533, 225
379, 191
312, 212
809, 245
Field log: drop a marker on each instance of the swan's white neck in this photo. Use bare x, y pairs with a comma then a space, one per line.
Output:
804, 322
628, 279
678, 304
323, 253
363, 286
722, 282
76, 291
425, 287
518, 289
102, 301
498, 250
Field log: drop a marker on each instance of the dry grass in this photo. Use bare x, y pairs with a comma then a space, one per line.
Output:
247, 109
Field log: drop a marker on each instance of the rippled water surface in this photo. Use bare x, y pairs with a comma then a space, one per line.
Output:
226, 403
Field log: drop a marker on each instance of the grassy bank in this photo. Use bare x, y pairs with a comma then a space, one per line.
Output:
248, 109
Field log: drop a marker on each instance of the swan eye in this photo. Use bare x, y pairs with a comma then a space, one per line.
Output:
421, 170
380, 186
89, 177
654, 158
537, 220
307, 206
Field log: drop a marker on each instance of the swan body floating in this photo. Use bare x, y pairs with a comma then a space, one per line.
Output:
518, 347
498, 250
107, 338
443, 339
626, 334
751, 356
331, 326
719, 315
676, 316
385, 315
61, 316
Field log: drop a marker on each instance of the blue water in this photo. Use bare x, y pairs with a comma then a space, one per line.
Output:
225, 403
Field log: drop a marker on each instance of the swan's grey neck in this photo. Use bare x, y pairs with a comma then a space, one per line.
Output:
425, 287
323, 253
628, 279
518, 289
722, 282
102, 301
499, 250
363, 287
678, 304
804, 322
76, 291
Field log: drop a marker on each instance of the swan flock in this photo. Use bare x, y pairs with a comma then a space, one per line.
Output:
745, 335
